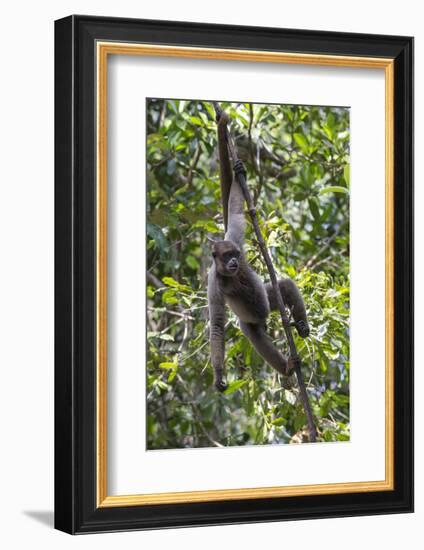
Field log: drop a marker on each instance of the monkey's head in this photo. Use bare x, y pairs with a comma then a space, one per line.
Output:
226, 255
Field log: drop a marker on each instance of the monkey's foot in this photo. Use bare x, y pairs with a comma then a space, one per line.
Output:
220, 385
302, 328
292, 363
239, 167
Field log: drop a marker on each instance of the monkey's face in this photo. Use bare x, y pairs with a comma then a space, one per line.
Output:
226, 255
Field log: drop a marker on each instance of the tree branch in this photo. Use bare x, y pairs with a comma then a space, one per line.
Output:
153, 280
241, 178
312, 261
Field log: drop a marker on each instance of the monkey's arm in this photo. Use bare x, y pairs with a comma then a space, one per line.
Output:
236, 217
231, 193
226, 174
216, 303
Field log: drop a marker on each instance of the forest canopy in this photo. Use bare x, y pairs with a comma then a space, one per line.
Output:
297, 161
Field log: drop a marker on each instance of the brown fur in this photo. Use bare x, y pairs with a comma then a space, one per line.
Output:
232, 280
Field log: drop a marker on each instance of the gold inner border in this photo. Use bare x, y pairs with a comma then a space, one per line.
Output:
119, 48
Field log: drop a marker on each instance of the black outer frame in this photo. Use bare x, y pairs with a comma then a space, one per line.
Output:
75, 274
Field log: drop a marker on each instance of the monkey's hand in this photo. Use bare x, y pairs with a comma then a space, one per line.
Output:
302, 328
220, 385
222, 117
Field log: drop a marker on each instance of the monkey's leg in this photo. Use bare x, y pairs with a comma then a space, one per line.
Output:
266, 349
293, 300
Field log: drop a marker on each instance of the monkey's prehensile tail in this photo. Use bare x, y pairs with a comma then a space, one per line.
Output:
267, 258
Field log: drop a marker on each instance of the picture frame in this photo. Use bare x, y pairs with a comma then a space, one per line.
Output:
83, 45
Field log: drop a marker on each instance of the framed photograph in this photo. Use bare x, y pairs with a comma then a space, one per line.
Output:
234, 274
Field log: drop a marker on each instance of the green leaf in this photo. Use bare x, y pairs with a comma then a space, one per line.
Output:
168, 297
162, 385
157, 236
207, 225
204, 118
173, 367
166, 337
334, 189
153, 139
290, 397
278, 421
192, 262
172, 105
328, 131
302, 141
346, 174
313, 205
172, 375
196, 120
299, 421
209, 109
234, 386
169, 281
291, 271
167, 365
331, 121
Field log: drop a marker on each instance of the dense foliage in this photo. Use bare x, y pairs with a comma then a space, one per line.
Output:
297, 160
